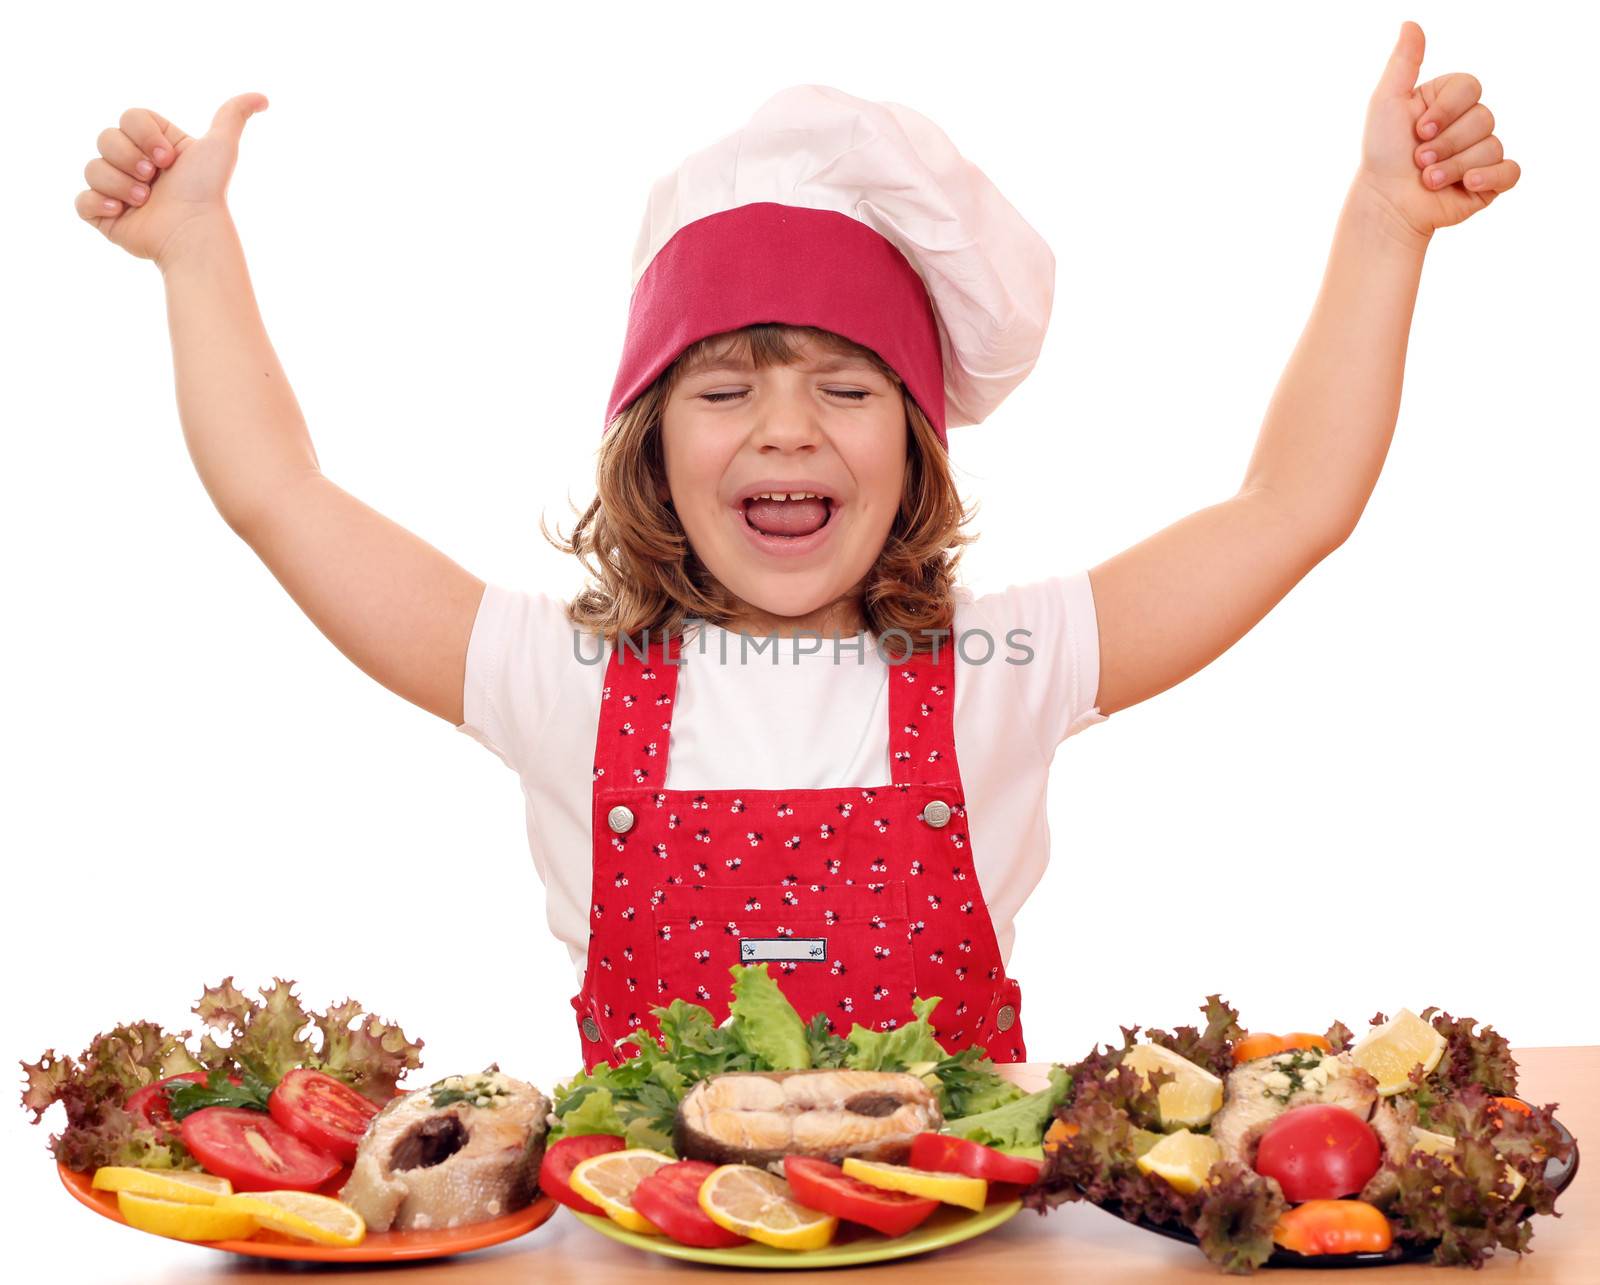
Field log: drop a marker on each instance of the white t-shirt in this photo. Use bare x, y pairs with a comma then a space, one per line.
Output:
790, 717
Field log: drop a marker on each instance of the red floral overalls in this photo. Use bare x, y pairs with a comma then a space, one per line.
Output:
857, 898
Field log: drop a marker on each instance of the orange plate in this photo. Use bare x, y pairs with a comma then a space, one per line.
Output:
379, 1246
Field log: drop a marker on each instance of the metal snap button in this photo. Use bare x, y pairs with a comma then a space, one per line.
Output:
591, 1030
620, 819
1006, 1018
937, 814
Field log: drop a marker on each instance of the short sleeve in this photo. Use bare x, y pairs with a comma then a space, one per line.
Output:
1054, 637
512, 683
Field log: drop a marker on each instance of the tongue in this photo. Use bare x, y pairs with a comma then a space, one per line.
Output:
786, 517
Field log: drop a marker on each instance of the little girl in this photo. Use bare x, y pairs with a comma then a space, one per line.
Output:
772, 727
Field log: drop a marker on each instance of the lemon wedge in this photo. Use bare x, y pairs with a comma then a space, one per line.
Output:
181, 1185
758, 1204
1183, 1159
183, 1220
1435, 1144
609, 1179
301, 1214
951, 1188
1444, 1146
1389, 1052
1190, 1098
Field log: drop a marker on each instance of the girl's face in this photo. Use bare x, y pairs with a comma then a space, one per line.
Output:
787, 480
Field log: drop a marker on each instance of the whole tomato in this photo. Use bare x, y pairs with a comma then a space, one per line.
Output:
1319, 1152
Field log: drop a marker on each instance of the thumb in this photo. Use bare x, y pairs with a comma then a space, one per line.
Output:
1405, 61
231, 116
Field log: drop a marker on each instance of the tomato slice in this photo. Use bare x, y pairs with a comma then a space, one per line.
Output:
151, 1106
943, 1154
321, 1111
561, 1158
252, 1152
669, 1199
826, 1187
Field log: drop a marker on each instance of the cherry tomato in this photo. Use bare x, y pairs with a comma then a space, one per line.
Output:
561, 1158
1257, 1045
321, 1111
669, 1199
1319, 1152
151, 1106
252, 1152
1334, 1227
944, 1154
826, 1187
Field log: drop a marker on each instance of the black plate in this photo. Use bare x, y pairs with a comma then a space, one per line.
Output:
1557, 1173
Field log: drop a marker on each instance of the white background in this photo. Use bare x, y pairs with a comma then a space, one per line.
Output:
1382, 796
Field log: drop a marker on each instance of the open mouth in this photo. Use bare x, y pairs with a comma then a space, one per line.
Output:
789, 515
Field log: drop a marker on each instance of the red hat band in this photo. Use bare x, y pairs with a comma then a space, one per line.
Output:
767, 262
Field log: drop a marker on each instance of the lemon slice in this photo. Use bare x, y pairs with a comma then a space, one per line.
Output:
181, 1185
301, 1214
758, 1204
1190, 1098
609, 1179
1183, 1159
1444, 1146
951, 1188
183, 1220
1388, 1052
1435, 1144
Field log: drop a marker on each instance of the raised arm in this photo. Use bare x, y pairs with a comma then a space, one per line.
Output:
393, 604
1173, 603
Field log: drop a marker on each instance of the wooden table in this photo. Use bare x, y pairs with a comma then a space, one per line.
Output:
1075, 1242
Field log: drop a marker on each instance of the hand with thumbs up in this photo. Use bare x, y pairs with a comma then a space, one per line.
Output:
151, 180
1429, 152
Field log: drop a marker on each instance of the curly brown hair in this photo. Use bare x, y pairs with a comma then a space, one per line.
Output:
645, 576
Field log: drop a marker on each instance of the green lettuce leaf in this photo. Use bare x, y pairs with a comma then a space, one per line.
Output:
1018, 1123
639, 1098
589, 1108
636, 1102
765, 1023
897, 1049
969, 1085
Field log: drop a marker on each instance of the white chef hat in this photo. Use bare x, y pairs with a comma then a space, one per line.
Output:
857, 217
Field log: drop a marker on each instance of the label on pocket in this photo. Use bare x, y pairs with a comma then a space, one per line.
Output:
785, 949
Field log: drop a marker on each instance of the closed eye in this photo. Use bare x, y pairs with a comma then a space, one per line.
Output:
854, 394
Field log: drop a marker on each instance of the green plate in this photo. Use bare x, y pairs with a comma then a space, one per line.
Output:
852, 1247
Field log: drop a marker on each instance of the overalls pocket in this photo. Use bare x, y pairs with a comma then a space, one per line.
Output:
839, 949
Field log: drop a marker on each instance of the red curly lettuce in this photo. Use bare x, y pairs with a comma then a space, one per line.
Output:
1211, 1048
268, 1037
94, 1085
271, 1036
